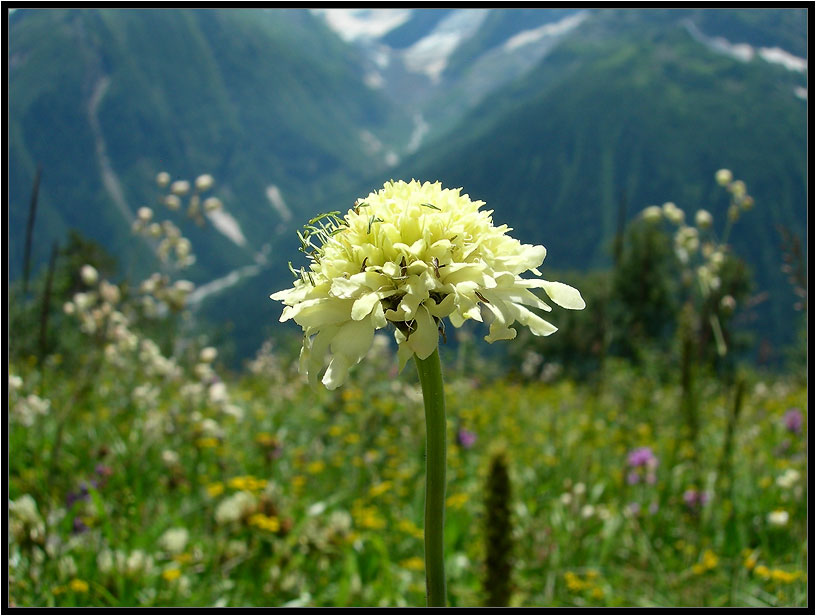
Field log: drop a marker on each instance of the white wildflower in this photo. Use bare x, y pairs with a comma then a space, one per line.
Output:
180, 187
204, 182
235, 507
412, 254
174, 540
778, 517
723, 177
703, 219
163, 179
89, 275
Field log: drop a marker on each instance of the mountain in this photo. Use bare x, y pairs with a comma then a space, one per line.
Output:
550, 115
268, 102
638, 107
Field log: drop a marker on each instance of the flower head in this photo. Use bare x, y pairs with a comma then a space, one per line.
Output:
411, 254
793, 420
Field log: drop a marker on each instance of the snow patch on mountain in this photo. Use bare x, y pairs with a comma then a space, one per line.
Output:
552, 29
275, 197
227, 225
354, 24
430, 54
745, 52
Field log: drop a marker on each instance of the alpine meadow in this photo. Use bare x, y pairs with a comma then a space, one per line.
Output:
408, 307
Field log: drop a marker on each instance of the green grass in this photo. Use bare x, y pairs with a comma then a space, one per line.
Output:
336, 488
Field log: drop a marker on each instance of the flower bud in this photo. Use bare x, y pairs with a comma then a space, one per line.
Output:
180, 187
145, 214
204, 182
163, 179
703, 219
89, 275
723, 177
653, 213
208, 354
673, 213
172, 202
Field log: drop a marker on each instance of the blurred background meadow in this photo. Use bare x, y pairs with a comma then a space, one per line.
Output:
164, 451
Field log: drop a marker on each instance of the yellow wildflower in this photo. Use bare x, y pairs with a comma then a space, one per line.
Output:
380, 488
207, 442
762, 571
214, 489
171, 574
414, 563
785, 577
411, 254
265, 522
574, 583
318, 466
457, 501
78, 585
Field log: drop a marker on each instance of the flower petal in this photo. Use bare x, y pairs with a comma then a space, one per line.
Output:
425, 338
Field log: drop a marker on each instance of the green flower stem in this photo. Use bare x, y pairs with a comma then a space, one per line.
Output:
430, 377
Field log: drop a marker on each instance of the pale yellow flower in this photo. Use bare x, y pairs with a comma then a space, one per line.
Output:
411, 255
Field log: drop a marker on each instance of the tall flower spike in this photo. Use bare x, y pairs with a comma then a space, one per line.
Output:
411, 254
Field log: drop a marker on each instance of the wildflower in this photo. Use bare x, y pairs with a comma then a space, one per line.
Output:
208, 355
457, 501
778, 517
703, 219
653, 213
414, 563
694, 498
380, 488
316, 467
204, 182
264, 522
172, 202
673, 213
212, 204
763, 571
411, 255
465, 438
643, 463
174, 540
723, 177
642, 457
788, 479
89, 275
171, 574
793, 420
235, 507
78, 585
138, 562
180, 187
785, 577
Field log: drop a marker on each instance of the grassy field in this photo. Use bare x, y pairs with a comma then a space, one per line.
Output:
136, 479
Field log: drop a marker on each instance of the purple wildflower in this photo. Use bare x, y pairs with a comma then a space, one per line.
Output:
79, 526
642, 456
632, 477
695, 498
465, 438
793, 420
